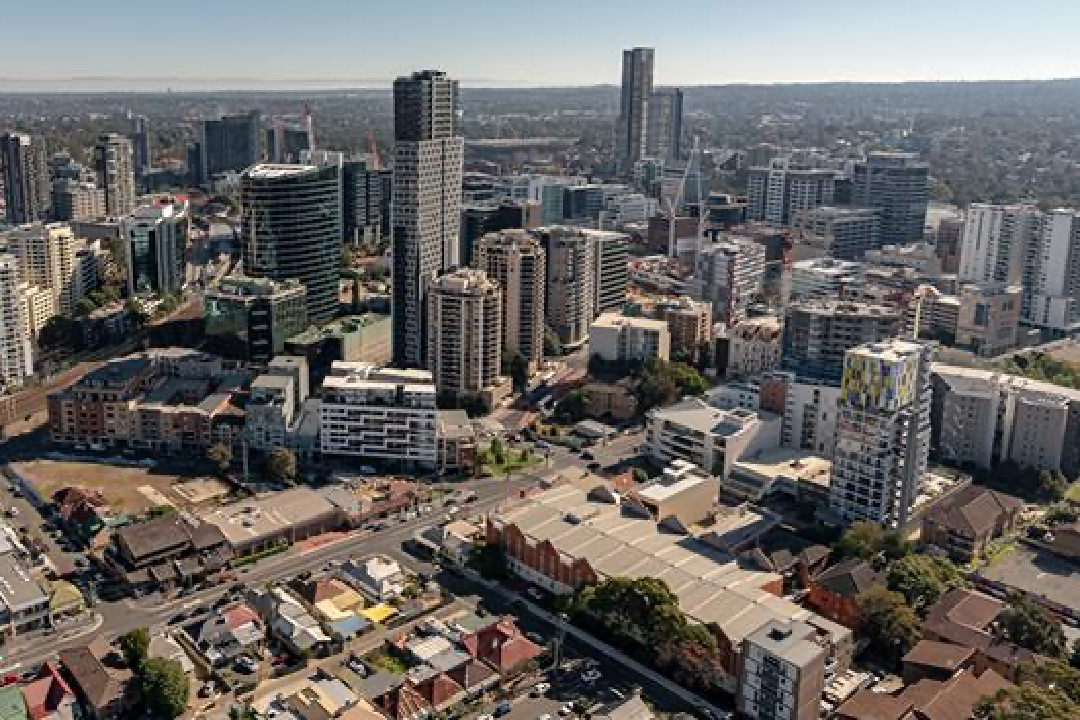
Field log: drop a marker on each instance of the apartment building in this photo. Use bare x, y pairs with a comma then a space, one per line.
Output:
754, 346
988, 318
823, 278
517, 262
689, 323
616, 338
380, 414
16, 360
841, 233
783, 672
710, 438
729, 274
817, 333
465, 336
883, 433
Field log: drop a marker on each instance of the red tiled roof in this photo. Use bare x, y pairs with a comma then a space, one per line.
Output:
239, 615
46, 694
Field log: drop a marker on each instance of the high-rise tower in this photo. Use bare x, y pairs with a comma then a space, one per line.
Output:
428, 155
26, 178
291, 228
114, 162
631, 133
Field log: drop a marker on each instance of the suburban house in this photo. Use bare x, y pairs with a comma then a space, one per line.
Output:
225, 635
49, 697
963, 523
166, 551
966, 617
290, 621
502, 646
833, 593
927, 699
381, 578
104, 691
934, 660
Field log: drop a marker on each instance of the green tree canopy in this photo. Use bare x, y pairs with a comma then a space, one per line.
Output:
164, 687
135, 646
1030, 625
921, 579
868, 540
281, 464
221, 455
888, 623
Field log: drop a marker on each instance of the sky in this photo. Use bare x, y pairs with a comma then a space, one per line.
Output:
139, 45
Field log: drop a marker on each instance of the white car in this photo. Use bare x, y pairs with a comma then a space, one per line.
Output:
566, 710
540, 689
591, 676
485, 716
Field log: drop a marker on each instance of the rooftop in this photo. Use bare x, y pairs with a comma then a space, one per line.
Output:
699, 415
247, 521
799, 465
616, 541
612, 320
268, 171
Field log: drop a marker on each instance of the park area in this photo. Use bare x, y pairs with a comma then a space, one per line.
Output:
131, 490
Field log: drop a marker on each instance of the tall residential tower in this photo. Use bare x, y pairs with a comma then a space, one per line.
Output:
428, 156
26, 178
637, 87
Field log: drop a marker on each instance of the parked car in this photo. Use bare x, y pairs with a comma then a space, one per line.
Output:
357, 666
566, 710
503, 708
245, 664
590, 676
540, 689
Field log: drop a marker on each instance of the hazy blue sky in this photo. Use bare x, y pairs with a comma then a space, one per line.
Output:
241, 43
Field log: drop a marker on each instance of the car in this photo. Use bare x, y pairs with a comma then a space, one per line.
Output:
534, 593
485, 716
593, 466
566, 710
245, 664
357, 666
207, 690
178, 618
586, 455
540, 689
503, 708
590, 676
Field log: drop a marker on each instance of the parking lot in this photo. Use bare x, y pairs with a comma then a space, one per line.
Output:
1038, 572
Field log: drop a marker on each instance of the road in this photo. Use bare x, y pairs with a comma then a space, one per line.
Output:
125, 615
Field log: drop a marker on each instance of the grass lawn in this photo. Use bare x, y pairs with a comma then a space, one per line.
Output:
512, 463
390, 663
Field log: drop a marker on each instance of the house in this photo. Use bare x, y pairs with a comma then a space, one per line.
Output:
105, 691
83, 512
951, 699
632, 708
404, 702
337, 605
225, 635
964, 522
380, 577
49, 697
502, 646
934, 660
290, 621
966, 617
24, 603
1067, 540
474, 676
167, 551
833, 593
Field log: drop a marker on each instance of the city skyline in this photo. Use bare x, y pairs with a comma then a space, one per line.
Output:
722, 45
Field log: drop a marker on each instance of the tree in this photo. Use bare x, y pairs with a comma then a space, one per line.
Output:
888, 623
164, 687
1029, 625
552, 343
135, 646
1053, 484
281, 464
921, 579
868, 540
497, 451
136, 312
519, 373
61, 334
221, 455
1047, 690
243, 712
573, 407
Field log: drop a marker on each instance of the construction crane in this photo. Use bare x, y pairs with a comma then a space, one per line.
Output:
673, 204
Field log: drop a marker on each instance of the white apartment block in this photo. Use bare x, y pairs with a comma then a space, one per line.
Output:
811, 412
51, 258
616, 338
754, 346
729, 275
883, 434
708, 437
995, 241
465, 335
16, 360
380, 414
38, 306
985, 418
822, 277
